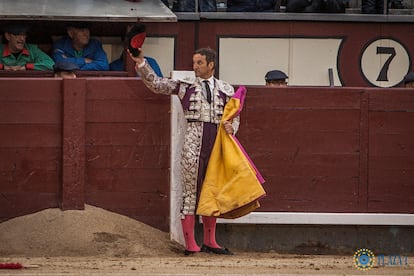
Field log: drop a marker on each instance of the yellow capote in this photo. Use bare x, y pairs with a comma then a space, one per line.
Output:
232, 185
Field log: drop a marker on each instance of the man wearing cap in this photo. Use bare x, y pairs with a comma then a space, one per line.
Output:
65, 70
276, 78
203, 100
78, 48
409, 80
17, 55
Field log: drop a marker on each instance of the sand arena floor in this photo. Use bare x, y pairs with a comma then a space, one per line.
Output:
98, 242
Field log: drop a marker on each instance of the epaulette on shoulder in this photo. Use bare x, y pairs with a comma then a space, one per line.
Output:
188, 80
226, 88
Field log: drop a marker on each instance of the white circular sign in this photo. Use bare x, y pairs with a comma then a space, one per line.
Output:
385, 62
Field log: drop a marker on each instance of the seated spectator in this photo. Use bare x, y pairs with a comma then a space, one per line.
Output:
316, 6
251, 6
396, 4
189, 5
372, 6
276, 78
66, 70
78, 48
17, 55
409, 80
118, 64
377, 6
132, 31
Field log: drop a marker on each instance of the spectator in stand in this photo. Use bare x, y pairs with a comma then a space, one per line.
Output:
377, 6
372, 6
316, 6
409, 80
396, 4
78, 48
251, 5
189, 5
276, 78
16, 54
65, 70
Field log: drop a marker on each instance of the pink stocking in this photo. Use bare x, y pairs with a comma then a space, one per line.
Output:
209, 227
188, 224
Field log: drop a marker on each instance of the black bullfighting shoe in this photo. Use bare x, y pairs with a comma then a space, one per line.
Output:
220, 250
188, 252
202, 249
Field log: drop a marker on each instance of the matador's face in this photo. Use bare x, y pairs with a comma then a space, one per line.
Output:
201, 68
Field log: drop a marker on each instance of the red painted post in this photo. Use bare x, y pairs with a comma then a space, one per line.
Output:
129, 66
73, 142
362, 196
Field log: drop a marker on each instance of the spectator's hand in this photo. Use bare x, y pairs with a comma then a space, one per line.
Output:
14, 68
88, 60
228, 127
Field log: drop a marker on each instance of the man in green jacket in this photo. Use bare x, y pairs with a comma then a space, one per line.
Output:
17, 55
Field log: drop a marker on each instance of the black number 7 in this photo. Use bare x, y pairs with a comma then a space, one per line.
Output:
383, 73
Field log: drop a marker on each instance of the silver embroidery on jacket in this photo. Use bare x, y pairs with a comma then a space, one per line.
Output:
199, 111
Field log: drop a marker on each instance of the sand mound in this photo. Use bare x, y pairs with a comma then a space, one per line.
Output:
93, 231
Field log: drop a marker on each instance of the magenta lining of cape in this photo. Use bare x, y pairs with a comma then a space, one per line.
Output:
240, 95
258, 175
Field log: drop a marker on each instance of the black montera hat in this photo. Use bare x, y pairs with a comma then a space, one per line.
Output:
275, 75
409, 77
136, 37
15, 29
79, 24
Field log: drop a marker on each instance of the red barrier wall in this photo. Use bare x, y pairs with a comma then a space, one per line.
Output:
391, 151
332, 149
306, 143
103, 142
106, 142
30, 145
128, 150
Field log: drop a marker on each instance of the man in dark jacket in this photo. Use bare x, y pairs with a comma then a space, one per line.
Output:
316, 6
251, 5
189, 5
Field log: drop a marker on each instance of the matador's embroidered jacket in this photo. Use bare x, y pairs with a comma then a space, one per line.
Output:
203, 118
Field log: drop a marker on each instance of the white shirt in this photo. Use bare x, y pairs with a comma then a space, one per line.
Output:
211, 84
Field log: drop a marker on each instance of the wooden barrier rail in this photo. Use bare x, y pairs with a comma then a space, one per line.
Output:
39, 74
106, 142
